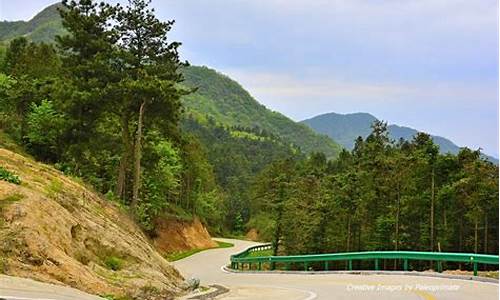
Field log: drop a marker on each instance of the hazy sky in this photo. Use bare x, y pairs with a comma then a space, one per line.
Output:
427, 64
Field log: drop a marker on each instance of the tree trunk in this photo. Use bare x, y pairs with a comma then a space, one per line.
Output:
485, 233
277, 232
432, 210
348, 242
398, 209
137, 155
124, 159
460, 239
475, 236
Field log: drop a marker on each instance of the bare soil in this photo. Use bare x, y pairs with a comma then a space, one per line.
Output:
252, 235
177, 235
54, 229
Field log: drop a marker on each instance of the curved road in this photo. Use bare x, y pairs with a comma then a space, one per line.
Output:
206, 266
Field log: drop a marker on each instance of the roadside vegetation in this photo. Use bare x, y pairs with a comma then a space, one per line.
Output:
121, 111
183, 254
382, 195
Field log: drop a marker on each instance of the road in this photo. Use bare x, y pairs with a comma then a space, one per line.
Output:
206, 266
15, 288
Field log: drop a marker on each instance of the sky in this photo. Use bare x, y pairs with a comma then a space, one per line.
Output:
427, 64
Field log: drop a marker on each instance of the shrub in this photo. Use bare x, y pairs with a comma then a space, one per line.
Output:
113, 263
9, 176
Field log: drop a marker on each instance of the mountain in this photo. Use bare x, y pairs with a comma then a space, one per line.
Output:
41, 28
223, 99
217, 97
345, 128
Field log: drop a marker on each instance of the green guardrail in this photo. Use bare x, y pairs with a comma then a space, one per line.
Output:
238, 260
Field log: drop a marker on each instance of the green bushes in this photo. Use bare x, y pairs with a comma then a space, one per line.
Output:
114, 263
9, 176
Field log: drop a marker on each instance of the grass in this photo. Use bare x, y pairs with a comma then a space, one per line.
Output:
183, 254
8, 176
12, 198
224, 244
268, 252
114, 263
6, 201
54, 188
490, 274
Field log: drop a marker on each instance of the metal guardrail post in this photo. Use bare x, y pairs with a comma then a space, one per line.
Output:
350, 265
475, 268
326, 265
405, 265
377, 267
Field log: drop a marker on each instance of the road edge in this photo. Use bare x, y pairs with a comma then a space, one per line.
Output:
371, 272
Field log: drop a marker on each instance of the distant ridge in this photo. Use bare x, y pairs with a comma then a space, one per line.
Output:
345, 128
43, 27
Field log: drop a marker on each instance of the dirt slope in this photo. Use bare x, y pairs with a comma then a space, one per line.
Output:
176, 235
54, 229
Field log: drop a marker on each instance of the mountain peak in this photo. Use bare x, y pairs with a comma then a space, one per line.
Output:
345, 128
43, 27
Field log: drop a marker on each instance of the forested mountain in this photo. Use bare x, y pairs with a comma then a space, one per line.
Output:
218, 96
223, 99
345, 128
41, 28
164, 139
381, 195
236, 155
238, 135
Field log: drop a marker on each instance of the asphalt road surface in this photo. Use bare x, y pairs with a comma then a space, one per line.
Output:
14, 288
206, 266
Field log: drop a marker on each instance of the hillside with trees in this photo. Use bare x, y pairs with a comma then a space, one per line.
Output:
111, 104
345, 128
381, 195
224, 100
41, 28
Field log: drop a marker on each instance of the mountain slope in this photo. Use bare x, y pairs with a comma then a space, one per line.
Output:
224, 100
54, 229
218, 96
41, 28
345, 128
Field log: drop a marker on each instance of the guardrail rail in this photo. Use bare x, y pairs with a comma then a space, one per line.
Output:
239, 260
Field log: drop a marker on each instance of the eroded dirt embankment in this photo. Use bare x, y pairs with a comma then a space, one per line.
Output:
54, 229
175, 235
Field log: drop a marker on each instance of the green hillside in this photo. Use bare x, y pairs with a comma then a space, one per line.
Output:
42, 28
218, 96
229, 103
345, 128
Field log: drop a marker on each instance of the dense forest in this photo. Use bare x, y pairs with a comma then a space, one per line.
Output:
383, 195
112, 103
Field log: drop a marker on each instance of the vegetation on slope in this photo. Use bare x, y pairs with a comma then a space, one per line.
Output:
41, 28
237, 155
345, 128
380, 196
55, 229
98, 109
228, 103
